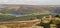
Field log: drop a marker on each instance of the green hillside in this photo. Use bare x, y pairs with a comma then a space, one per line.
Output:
8, 17
22, 11
6, 14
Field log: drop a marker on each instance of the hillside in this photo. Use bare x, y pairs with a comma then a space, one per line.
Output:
26, 12
22, 9
27, 8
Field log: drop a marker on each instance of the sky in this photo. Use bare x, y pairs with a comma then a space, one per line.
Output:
31, 2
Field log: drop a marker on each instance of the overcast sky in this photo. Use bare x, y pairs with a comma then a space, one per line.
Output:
31, 2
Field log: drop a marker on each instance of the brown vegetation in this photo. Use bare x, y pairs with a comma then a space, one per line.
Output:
19, 23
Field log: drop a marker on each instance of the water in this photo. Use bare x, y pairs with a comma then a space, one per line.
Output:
15, 14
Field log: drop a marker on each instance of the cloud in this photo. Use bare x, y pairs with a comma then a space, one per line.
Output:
31, 2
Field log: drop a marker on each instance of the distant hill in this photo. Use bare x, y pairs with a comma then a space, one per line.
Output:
22, 9
19, 9
30, 10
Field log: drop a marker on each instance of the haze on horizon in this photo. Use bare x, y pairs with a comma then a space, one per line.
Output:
31, 2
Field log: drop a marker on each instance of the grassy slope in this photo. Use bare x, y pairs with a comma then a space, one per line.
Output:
8, 17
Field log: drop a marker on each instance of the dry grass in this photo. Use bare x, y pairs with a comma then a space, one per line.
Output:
19, 24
